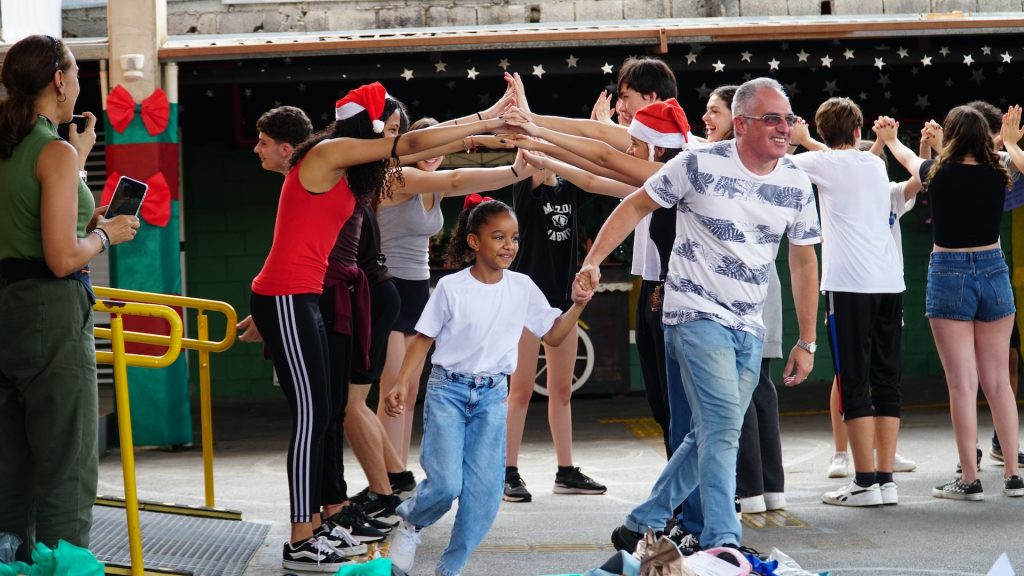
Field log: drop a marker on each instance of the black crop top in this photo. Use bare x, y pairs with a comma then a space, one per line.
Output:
967, 204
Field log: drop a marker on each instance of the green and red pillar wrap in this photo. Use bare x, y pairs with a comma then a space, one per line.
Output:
142, 143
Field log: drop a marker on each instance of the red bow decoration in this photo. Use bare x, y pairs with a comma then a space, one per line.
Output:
473, 200
156, 210
155, 110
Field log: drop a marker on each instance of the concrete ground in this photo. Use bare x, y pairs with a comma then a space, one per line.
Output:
558, 534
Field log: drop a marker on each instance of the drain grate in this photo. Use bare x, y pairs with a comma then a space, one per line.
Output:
203, 546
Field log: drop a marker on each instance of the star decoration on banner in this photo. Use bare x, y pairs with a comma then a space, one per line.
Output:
691, 58
791, 89
949, 82
748, 77
879, 63
926, 61
801, 56
606, 69
826, 61
968, 59
503, 64
471, 73
440, 66
324, 117
1006, 57
571, 61
773, 64
703, 91
451, 85
883, 79
903, 52
209, 93
287, 61
882, 47
862, 96
986, 50
407, 74
785, 46
887, 95
719, 66
745, 56
538, 71
248, 92
1000, 70
915, 71
831, 88
301, 87
944, 50
484, 99
978, 76
848, 54
922, 102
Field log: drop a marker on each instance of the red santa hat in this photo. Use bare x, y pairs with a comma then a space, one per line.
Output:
368, 97
661, 124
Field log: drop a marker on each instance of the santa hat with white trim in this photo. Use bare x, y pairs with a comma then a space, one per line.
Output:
661, 124
368, 97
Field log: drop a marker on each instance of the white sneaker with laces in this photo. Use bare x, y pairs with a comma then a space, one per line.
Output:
343, 541
839, 467
752, 504
774, 500
889, 493
854, 495
899, 463
403, 547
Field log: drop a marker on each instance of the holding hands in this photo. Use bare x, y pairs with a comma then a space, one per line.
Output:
885, 129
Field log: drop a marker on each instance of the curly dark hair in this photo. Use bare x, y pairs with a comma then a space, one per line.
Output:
27, 70
469, 222
371, 178
285, 124
966, 133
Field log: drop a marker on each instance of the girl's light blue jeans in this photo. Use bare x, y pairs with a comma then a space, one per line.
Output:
463, 456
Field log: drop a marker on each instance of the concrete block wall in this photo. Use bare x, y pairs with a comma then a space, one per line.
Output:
249, 16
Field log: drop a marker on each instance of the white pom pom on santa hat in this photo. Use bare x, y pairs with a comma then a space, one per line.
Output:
661, 124
368, 97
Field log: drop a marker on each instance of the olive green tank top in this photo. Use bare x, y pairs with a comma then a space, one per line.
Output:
20, 191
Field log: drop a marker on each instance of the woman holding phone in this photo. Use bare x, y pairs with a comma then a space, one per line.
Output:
49, 231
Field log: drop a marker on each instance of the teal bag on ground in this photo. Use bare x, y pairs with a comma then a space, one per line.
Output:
376, 567
66, 560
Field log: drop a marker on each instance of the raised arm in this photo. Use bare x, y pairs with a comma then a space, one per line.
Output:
581, 178
528, 143
886, 129
467, 144
1011, 133
460, 181
507, 99
801, 136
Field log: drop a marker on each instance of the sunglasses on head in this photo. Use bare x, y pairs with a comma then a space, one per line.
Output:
774, 119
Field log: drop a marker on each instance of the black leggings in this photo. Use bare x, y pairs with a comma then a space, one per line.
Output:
650, 347
339, 368
293, 329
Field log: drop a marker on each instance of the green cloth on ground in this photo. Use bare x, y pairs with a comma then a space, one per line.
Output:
66, 560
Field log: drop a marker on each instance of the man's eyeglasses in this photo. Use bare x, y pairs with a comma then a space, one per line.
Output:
774, 119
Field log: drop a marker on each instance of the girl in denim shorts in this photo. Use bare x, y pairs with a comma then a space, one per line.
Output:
968, 299
476, 317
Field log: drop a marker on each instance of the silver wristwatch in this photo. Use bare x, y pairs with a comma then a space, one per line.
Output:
809, 346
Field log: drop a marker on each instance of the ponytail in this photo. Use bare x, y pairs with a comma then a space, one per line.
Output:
27, 70
476, 211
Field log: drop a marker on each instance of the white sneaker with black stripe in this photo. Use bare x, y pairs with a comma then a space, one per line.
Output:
854, 494
312, 555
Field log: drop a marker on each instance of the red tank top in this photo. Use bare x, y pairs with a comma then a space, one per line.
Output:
305, 230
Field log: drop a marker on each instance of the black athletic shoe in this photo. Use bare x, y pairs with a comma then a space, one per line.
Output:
956, 489
515, 488
403, 484
341, 539
1013, 486
378, 523
576, 482
356, 525
997, 452
686, 542
379, 506
625, 539
958, 467
313, 555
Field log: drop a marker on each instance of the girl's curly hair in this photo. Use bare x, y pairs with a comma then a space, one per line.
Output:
469, 222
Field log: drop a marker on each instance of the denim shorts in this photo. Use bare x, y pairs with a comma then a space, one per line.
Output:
969, 286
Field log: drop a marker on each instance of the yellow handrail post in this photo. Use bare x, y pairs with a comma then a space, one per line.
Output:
124, 428
205, 407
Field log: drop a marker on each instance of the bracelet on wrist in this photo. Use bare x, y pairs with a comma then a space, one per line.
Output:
479, 117
514, 173
104, 238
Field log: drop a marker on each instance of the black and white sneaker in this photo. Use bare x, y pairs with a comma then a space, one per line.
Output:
341, 539
403, 484
686, 542
360, 514
515, 488
957, 489
313, 555
1013, 486
357, 526
576, 482
959, 469
378, 506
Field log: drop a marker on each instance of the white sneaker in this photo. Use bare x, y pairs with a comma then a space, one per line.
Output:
899, 463
403, 547
752, 504
854, 495
889, 493
839, 467
774, 500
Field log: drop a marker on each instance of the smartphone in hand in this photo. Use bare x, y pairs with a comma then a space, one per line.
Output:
63, 130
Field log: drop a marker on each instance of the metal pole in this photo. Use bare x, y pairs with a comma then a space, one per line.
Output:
124, 427
205, 408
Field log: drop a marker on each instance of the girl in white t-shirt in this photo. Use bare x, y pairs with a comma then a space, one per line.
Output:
476, 317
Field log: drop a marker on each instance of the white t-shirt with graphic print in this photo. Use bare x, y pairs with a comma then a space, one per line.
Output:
477, 326
729, 224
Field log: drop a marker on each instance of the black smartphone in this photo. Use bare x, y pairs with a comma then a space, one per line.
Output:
127, 198
79, 121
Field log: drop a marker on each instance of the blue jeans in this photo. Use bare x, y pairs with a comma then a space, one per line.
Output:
463, 456
680, 423
719, 369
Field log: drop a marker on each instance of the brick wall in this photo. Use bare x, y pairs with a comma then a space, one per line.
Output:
247, 16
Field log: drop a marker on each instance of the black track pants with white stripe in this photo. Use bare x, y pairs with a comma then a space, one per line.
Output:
293, 329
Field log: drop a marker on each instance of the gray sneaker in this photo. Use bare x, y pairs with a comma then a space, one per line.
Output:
515, 489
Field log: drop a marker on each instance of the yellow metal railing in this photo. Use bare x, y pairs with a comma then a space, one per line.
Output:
121, 360
202, 344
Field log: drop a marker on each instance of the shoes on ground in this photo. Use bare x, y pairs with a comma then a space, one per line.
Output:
380, 507
839, 467
854, 494
890, 495
403, 547
403, 484
959, 469
753, 504
340, 539
997, 452
362, 528
515, 488
957, 489
686, 542
901, 464
1013, 486
312, 555
576, 482
625, 539
774, 500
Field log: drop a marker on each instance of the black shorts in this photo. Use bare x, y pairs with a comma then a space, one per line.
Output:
414, 295
384, 305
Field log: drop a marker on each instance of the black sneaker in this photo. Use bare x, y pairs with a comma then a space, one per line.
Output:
359, 514
515, 488
956, 489
625, 539
313, 555
959, 469
403, 484
379, 506
341, 539
997, 453
686, 542
576, 482
1013, 486
356, 526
